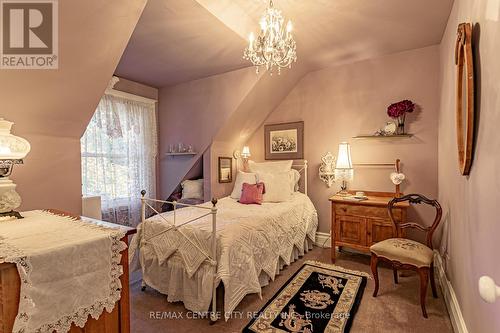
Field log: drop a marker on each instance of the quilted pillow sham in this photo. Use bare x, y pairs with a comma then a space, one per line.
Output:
277, 185
270, 167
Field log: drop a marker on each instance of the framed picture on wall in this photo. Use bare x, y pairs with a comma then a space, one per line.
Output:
284, 141
225, 169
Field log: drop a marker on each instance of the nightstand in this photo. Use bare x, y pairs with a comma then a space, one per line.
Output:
360, 224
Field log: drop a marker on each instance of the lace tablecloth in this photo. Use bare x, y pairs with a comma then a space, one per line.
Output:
69, 269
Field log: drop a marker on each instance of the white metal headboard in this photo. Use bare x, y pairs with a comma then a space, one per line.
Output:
301, 167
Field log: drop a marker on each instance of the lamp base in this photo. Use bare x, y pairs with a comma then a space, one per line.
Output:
343, 190
12, 213
343, 193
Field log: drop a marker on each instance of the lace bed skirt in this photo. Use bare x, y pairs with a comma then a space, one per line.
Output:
173, 280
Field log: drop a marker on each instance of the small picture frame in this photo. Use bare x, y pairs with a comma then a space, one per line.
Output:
225, 169
284, 141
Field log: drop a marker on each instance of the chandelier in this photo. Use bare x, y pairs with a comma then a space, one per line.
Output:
275, 46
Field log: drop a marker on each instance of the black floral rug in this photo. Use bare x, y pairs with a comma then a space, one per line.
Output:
318, 298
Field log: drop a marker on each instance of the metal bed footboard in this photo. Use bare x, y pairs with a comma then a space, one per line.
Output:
211, 257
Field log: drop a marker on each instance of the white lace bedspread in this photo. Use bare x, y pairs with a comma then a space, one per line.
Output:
251, 239
69, 269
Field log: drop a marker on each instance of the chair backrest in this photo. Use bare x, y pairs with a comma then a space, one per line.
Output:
417, 199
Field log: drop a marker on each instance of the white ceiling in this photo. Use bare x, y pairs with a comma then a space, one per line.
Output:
181, 40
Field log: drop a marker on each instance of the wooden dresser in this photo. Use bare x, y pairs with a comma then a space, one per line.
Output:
360, 224
118, 321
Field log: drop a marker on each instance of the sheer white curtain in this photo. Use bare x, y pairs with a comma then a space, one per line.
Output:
119, 151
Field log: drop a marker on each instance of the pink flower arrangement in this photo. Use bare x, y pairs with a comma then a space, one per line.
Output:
398, 111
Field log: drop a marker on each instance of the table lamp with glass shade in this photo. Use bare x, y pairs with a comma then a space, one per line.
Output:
343, 169
12, 151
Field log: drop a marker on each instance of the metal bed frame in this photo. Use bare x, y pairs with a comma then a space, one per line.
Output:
210, 257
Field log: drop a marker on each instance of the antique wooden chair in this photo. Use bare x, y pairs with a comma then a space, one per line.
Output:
405, 253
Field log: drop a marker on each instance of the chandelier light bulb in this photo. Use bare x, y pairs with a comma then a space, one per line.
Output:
263, 24
289, 26
251, 39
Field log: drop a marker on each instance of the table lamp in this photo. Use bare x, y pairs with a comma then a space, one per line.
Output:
12, 151
343, 169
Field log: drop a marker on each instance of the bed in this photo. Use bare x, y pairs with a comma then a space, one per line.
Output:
179, 258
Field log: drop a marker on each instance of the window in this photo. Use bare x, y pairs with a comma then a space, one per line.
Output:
119, 151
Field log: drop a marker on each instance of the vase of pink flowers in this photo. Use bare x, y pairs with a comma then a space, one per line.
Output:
398, 112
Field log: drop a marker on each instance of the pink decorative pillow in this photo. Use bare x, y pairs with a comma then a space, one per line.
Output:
252, 193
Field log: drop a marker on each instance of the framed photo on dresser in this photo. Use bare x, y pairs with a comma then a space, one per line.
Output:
284, 141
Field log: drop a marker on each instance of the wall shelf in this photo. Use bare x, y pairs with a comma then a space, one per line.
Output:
398, 136
192, 153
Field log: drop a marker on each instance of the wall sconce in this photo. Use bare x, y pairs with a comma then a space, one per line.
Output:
343, 169
326, 169
12, 151
244, 155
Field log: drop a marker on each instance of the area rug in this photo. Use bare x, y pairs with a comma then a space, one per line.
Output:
318, 298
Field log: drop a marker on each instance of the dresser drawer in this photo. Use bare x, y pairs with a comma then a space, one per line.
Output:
372, 211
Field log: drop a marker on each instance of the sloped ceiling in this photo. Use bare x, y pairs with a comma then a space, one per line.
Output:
182, 40
177, 41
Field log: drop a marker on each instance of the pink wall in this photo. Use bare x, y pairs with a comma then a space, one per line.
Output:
471, 203
341, 102
192, 113
51, 108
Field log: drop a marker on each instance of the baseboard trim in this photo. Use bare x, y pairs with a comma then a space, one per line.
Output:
323, 240
450, 298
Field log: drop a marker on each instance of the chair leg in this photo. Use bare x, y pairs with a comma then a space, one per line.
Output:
433, 282
395, 273
373, 264
424, 279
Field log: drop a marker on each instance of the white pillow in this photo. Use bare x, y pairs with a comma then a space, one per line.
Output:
242, 177
192, 189
277, 186
270, 167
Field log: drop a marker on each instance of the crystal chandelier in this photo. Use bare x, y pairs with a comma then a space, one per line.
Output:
275, 46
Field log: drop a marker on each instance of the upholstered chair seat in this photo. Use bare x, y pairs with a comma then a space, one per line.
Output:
404, 251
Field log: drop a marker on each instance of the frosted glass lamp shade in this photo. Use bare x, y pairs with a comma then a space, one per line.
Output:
11, 147
245, 153
344, 174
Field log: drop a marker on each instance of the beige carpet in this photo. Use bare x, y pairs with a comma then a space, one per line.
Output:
395, 309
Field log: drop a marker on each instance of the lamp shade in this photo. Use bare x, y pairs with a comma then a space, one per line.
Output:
11, 147
344, 156
245, 153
